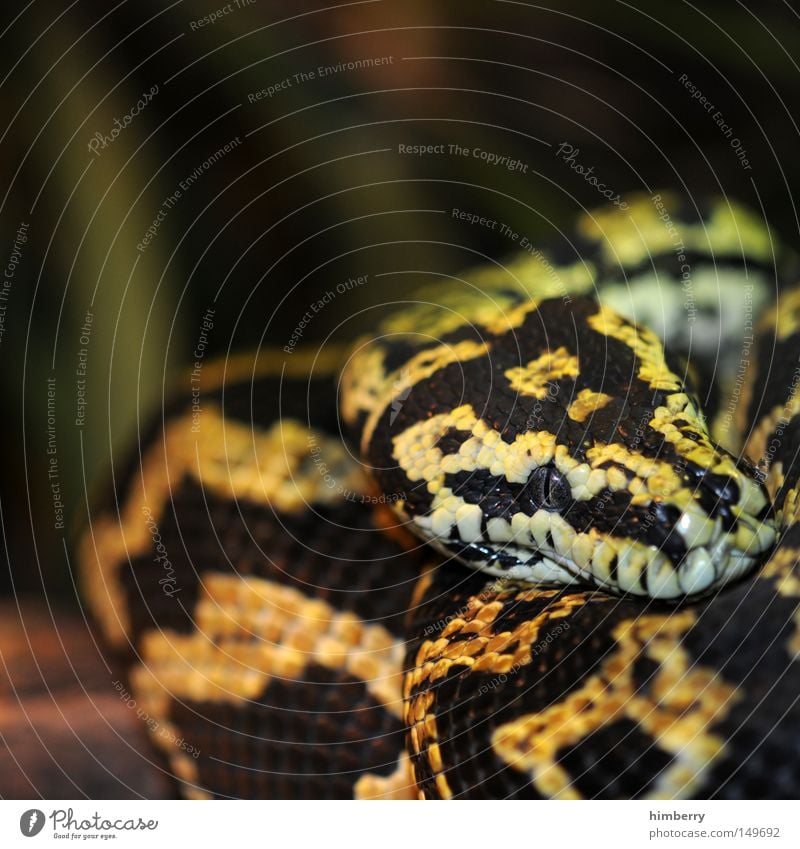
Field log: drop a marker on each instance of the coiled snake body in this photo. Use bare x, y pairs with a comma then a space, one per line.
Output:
298, 623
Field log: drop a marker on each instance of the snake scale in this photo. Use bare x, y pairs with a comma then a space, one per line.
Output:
283, 574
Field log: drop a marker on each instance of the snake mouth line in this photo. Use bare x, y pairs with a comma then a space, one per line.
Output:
702, 572
544, 548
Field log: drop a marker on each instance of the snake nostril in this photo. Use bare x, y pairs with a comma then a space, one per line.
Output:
723, 487
715, 494
663, 533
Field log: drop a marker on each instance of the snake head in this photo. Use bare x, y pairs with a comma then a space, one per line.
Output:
559, 443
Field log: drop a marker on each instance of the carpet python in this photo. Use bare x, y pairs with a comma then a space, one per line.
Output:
284, 579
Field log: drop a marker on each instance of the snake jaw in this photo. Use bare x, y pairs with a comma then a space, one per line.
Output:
518, 564
670, 534
545, 549
520, 448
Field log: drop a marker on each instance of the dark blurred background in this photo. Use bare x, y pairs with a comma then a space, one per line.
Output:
163, 159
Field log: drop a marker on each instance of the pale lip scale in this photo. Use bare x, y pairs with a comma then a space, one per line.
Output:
712, 561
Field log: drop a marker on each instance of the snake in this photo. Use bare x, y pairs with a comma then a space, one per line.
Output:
533, 534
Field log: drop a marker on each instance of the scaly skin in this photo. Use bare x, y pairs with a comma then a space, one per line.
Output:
550, 438
262, 595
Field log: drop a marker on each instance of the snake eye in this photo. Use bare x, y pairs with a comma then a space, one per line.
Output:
548, 489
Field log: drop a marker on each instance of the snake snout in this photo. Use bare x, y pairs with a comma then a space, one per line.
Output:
722, 533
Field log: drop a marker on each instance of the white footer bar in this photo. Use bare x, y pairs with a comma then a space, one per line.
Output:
385, 825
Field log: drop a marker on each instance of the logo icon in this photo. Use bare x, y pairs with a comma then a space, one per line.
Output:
402, 394
31, 822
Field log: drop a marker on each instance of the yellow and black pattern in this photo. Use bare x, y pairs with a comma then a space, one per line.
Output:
563, 446
513, 692
520, 693
285, 636
259, 598
773, 402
